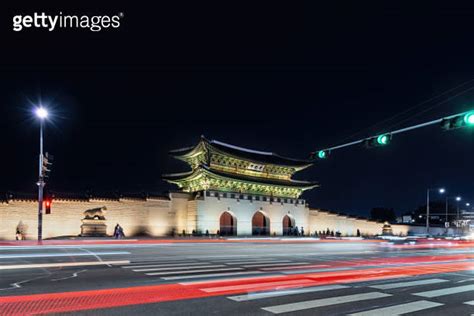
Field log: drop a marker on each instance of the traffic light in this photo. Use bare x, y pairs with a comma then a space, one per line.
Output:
377, 141
322, 154
47, 206
46, 165
463, 120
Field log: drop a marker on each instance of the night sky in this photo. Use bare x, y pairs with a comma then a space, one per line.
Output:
275, 77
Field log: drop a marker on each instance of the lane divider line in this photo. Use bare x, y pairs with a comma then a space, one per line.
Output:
60, 264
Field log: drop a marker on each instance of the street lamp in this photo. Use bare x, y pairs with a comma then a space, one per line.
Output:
440, 191
42, 114
458, 198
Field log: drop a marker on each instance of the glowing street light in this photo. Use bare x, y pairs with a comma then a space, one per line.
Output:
41, 113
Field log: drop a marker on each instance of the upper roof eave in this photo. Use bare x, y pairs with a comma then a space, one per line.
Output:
241, 153
291, 183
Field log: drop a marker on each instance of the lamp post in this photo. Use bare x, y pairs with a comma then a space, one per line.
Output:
441, 191
42, 114
458, 198
457, 207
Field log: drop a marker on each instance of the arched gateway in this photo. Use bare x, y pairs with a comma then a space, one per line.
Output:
224, 176
288, 225
228, 224
260, 224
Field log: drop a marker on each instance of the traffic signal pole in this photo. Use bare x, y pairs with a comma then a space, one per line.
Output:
398, 131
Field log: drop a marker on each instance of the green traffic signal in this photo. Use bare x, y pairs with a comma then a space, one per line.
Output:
322, 154
469, 118
383, 140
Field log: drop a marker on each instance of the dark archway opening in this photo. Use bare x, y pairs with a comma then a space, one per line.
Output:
260, 224
288, 226
228, 225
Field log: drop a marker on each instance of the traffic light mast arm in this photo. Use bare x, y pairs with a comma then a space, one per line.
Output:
398, 131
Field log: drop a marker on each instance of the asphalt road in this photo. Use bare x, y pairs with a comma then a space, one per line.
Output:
237, 278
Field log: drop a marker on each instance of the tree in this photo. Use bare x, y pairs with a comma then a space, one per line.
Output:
437, 213
383, 214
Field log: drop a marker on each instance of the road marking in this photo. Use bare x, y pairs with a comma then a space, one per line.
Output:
292, 307
179, 268
259, 262
192, 271
60, 264
407, 284
446, 291
17, 285
271, 276
210, 275
246, 259
70, 254
399, 309
74, 275
256, 285
164, 265
261, 295
314, 270
309, 266
469, 303
273, 264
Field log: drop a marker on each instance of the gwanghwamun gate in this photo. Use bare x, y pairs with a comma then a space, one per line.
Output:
229, 190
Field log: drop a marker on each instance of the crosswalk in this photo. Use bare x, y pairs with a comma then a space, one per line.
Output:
187, 270
278, 296
382, 301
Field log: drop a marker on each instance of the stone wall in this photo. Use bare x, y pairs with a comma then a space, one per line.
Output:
320, 220
151, 216
184, 211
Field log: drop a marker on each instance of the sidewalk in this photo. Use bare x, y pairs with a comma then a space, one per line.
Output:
171, 240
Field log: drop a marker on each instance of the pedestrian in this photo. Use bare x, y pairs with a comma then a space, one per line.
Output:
18, 234
116, 231
120, 232
302, 231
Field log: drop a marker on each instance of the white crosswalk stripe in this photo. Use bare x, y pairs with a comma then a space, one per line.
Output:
407, 284
293, 307
262, 295
314, 270
446, 291
179, 268
273, 264
211, 275
399, 309
165, 265
192, 271
258, 262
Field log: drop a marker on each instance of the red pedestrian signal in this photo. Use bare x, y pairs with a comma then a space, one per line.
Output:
47, 206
